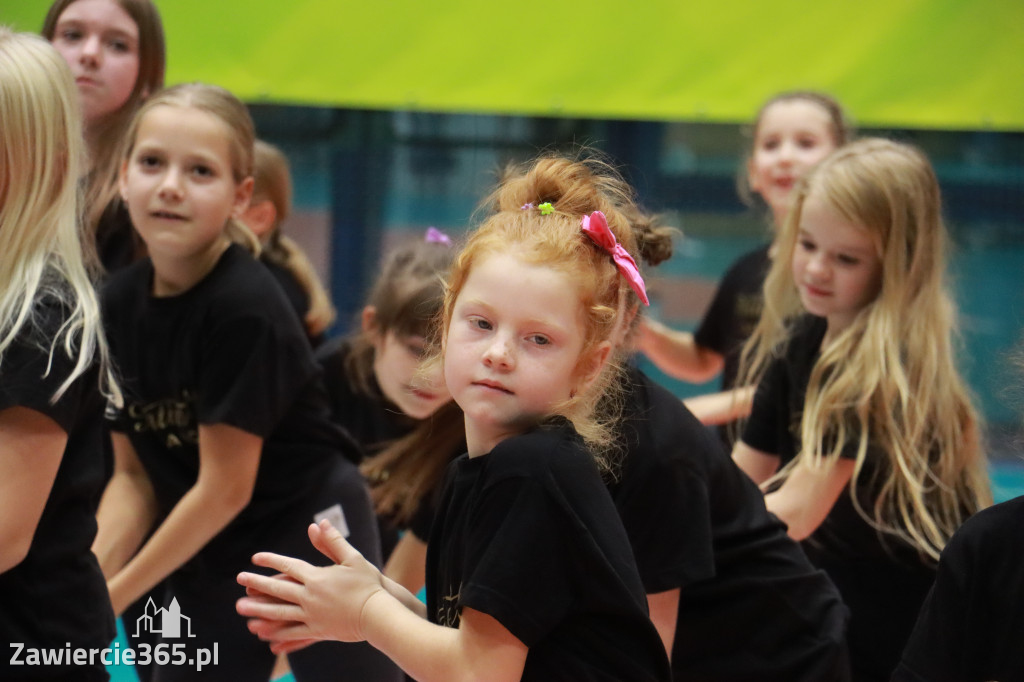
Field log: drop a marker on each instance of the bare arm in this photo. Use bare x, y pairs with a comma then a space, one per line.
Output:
723, 407
407, 564
757, 464
664, 608
228, 461
31, 449
677, 353
808, 494
351, 602
127, 510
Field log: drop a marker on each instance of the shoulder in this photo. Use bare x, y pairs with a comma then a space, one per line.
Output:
126, 283
653, 411
752, 264
805, 335
240, 290
997, 527
241, 278
552, 452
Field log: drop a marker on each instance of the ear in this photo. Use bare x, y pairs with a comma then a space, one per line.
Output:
591, 366
369, 320
260, 217
243, 195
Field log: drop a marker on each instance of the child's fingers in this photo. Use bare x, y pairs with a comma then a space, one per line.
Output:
331, 543
278, 632
281, 590
296, 569
291, 647
253, 592
269, 610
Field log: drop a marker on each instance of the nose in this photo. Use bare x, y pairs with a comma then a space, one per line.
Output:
817, 267
91, 49
170, 185
499, 353
787, 152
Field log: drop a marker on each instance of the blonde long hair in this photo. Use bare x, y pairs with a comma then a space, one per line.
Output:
108, 140
274, 184
889, 379
41, 157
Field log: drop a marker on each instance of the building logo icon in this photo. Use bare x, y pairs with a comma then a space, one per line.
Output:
163, 621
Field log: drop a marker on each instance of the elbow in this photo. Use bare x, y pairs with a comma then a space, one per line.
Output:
237, 499
799, 526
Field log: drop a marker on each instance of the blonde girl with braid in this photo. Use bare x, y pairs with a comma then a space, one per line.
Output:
862, 429
270, 207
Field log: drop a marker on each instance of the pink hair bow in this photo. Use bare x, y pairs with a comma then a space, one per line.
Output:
596, 227
436, 236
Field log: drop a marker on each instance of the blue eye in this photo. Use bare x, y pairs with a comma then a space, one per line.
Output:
540, 339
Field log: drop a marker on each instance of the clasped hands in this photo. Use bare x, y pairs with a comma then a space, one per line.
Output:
303, 603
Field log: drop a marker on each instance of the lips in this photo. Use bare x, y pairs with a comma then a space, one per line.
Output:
166, 215
492, 385
815, 291
421, 394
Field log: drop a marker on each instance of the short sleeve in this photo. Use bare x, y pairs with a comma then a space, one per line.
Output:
769, 414
522, 577
30, 375
251, 372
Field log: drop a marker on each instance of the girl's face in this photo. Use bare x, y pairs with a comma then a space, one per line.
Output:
178, 182
512, 352
396, 365
836, 266
100, 42
792, 137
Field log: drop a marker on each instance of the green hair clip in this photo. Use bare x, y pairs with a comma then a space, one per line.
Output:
546, 208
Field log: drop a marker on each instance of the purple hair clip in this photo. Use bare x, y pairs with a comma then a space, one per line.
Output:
436, 236
595, 226
527, 207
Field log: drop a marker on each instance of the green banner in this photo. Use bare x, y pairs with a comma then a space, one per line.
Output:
952, 64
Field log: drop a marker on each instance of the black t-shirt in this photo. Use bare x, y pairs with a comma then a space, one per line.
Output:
734, 311
118, 245
697, 522
971, 627
297, 296
371, 419
57, 594
528, 535
882, 579
227, 351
